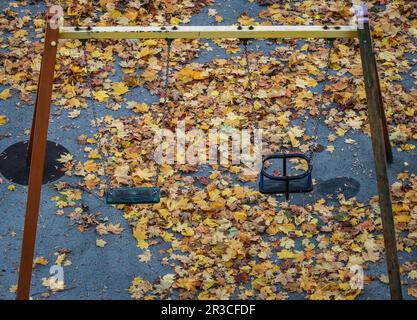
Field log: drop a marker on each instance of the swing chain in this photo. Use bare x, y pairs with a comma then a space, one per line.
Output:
165, 104
95, 121
321, 101
165, 112
248, 74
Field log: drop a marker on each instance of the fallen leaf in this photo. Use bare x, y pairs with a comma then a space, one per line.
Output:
100, 243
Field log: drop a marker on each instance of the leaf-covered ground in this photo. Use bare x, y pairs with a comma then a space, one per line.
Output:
213, 235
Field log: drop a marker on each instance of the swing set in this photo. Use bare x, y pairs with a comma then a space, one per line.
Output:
268, 183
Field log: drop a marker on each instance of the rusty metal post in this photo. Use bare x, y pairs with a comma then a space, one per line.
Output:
381, 152
30, 144
364, 34
380, 103
39, 137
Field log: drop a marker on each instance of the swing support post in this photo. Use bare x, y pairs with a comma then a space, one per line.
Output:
36, 154
382, 153
379, 132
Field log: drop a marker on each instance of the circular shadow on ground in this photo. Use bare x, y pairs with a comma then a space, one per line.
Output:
14, 167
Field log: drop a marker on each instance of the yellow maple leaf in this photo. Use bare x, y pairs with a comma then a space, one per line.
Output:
91, 181
410, 112
20, 33
149, 74
140, 233
218, 204
214, 175
65, 157
101, 96
73, 194
181, 204
407, 147
188, 232
285, 254
175, 21
114, 14
3, 120
189, 284
140, 175
234, 169
40, 260
166, 170
412, 291
39, 23
167, 236
299, 101
211, 223
143, 244
69, 91
311, 82
218, 19
119, 88
402, 218
93, 154
131, 15
340, 132
330, 148
319, 295
76, 69
248, 175
294, 141
240, 216
74, 103
5, 94
90, 166
145, 52
188, 74
140, 108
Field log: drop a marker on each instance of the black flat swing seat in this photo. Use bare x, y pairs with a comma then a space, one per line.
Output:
285, 184
145, 195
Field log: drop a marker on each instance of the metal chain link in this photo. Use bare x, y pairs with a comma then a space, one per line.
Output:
78, 186
95, 117
165, 104
248, 74
321, 101
165, 113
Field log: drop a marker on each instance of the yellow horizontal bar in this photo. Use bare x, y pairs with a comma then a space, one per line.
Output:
208, 32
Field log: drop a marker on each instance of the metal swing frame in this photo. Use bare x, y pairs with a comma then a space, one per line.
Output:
382, 152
